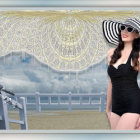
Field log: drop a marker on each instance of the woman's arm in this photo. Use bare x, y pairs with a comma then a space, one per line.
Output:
109, 90
139, 62
109, 96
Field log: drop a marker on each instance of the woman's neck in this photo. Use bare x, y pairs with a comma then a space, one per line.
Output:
127, 46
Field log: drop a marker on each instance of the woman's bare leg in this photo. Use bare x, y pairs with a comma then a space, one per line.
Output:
128, 121
114, 118
137, 127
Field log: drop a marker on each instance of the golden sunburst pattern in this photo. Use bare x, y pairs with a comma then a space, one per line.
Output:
65, 40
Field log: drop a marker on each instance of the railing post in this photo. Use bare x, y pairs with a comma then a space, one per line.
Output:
23, 113
102, 102
38, 107
49, 99
4, 121
90, 99
69, 107
80, 99
58, 99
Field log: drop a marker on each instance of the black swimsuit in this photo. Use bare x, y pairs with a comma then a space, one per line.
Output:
125, 90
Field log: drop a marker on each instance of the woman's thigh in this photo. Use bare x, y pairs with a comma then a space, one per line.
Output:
114, 118
128, 121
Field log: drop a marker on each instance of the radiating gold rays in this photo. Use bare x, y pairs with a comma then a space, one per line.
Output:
66, 40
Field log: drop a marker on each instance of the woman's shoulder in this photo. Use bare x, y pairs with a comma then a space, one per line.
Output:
110, 51
139, 62
139, 57
109, 54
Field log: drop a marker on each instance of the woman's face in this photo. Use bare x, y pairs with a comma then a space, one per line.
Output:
129, 36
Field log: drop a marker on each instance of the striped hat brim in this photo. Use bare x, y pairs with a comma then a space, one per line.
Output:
111, 31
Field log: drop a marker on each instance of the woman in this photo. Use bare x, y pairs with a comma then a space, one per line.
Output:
123, 94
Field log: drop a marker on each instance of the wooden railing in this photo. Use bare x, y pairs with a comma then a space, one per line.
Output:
69, 103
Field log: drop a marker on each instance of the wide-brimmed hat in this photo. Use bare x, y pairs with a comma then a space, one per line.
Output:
111, 28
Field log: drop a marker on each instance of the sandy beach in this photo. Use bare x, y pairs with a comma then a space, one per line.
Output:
57, 120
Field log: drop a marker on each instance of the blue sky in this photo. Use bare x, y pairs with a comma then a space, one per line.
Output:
29, 75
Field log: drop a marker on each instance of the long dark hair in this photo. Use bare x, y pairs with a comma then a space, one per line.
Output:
135, 53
